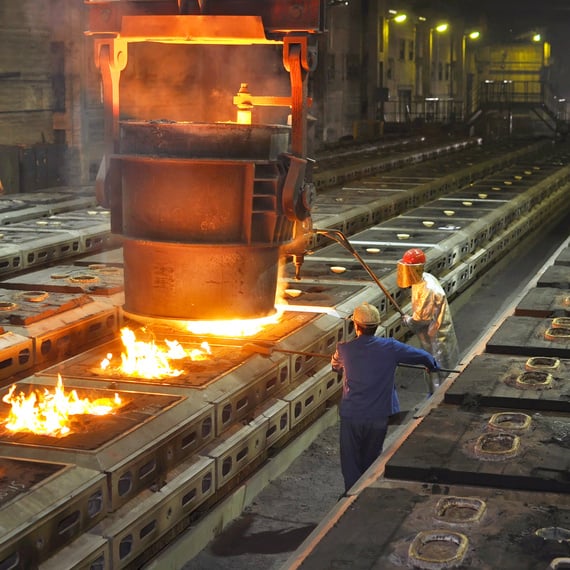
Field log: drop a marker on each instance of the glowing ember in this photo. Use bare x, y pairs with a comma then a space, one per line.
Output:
235, 327
148, 360
48, 413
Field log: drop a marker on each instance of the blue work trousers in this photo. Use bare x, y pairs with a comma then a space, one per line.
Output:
361, 443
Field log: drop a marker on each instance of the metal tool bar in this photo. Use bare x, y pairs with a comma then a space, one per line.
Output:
339, 237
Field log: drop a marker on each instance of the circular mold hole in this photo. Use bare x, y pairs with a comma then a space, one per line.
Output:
482, 195
542, 363
35, 296
559, 564
554, 533
467, 203
7, 306
403, 236
561, 323
534, 380
497, 446
83, 278
293, 293
460, 510
428, 223
435, 549
449, 212
338, 269
557, 333
372, 250
510, 421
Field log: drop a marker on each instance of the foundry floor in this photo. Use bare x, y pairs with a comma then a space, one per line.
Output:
299, 494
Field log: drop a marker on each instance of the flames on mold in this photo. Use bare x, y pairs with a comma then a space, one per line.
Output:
148, 359
50, 412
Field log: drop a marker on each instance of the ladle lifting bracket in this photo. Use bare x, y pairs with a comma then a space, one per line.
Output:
111, 56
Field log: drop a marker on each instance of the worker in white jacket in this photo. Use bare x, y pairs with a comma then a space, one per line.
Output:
431, 318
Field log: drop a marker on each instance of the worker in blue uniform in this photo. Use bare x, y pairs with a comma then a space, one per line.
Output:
368, 364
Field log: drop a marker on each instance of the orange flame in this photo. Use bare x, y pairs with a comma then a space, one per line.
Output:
148, 360
48, 413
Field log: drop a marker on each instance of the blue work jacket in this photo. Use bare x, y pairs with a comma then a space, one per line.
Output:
369, 364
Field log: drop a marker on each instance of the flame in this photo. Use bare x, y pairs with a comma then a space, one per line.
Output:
233, 327
148, 360
48, 413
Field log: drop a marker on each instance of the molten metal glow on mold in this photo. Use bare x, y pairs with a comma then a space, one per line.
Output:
48, 413
232, 327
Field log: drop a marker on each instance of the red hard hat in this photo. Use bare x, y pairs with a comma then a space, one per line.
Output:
414, 256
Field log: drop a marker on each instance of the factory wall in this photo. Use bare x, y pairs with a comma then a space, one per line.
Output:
51, 116
375, 76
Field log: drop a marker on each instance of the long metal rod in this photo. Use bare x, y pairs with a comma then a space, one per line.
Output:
339, 237
419, 367
267, 350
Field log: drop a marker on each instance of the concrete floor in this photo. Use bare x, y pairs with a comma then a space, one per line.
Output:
299, 489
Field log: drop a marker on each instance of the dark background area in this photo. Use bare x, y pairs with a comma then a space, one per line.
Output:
515, 20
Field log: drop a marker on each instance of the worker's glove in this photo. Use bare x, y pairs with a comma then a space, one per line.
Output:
407, 320
435, 368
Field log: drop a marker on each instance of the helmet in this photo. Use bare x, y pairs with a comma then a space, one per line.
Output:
410, 268
366, 315
414, 256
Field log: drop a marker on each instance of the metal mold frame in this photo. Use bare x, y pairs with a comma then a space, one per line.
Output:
327, 330
11, 258
87, 551
103, 280
140, 457
150, 515
239, 447
236, 395
16, 354
64, 335
40, 247
277, 412
307, 397
51, 514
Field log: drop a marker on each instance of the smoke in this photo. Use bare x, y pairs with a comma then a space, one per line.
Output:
197, 83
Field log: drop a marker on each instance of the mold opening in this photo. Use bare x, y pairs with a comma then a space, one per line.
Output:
510, 421
460, 509
497, 446
436, 549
